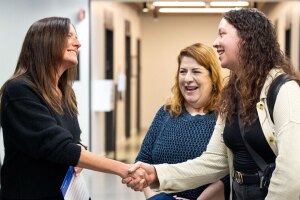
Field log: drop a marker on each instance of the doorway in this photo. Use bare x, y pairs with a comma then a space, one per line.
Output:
110, 130
128, 87
138, 96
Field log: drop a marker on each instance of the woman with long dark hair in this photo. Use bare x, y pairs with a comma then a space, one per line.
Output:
39, 116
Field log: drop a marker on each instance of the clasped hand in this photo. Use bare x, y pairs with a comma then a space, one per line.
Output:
140, 175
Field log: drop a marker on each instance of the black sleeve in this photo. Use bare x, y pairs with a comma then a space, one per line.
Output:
33, 129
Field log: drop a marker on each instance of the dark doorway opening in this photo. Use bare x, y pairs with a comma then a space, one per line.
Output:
138, 106
110, 133
128, 87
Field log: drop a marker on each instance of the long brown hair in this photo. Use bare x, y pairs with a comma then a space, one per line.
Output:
206, 57
40, 57
259, 53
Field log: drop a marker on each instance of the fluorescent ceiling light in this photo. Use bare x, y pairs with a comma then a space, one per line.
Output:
229, 3
178, 3
195, 10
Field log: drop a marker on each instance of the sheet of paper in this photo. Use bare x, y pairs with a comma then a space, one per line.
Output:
74, 187
103, 95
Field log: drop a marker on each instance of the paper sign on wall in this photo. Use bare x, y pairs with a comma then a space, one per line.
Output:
103, 95
121, 83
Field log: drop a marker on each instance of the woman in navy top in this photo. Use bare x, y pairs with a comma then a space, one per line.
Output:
182, 128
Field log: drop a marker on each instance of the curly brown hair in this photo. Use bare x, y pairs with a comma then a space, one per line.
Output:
205, 56
259, 53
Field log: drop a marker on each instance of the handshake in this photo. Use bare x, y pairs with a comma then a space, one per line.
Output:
139, 176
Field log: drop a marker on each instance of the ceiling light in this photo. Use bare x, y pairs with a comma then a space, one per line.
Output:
195, 10
229, 3
178, 3
145, 7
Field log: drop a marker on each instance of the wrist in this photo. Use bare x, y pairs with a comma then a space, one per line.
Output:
123, 170
153, 178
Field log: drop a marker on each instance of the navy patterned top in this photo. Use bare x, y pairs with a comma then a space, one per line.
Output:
177, 139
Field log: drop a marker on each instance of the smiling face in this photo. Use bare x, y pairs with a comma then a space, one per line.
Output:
70, 58
195, 84
227, 45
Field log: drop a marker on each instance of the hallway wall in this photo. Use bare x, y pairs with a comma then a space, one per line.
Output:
119, 13
286, 15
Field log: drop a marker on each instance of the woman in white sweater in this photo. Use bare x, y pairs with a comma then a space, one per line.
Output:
246, 45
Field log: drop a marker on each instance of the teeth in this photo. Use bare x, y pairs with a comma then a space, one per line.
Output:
74, 52
191, 88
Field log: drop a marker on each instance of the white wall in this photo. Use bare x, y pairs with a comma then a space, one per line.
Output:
16, 16
162, 41
120, 13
